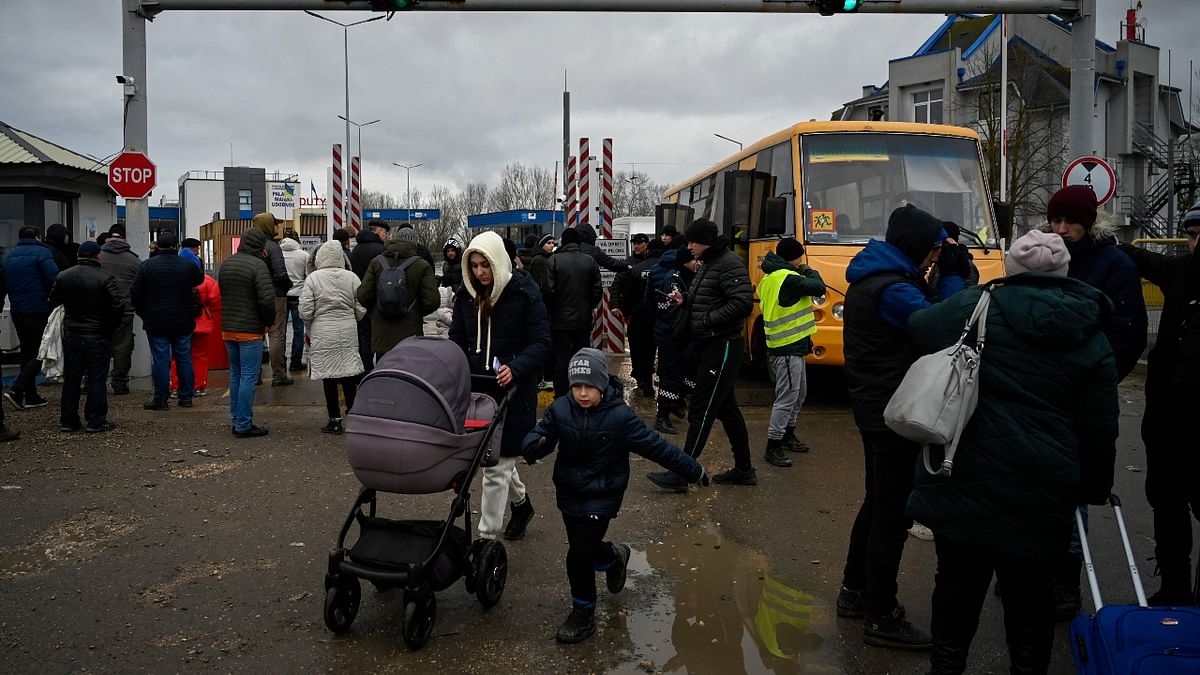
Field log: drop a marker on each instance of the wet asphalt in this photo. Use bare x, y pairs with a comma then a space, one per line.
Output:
169, 546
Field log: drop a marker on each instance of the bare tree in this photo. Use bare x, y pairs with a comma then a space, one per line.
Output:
375, 199
522, 187
634, 194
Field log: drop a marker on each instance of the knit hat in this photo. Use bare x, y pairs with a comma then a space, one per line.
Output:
88, 249
670, 231
789, 249
570, 236
914, 232
117, 230
452, 243
1037, 251
1076, 203
167, 240
407, 234
1191, 218
546, 238
589, 367
341, 234
703, 231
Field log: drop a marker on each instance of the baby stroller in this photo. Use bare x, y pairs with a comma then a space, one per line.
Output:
417, 428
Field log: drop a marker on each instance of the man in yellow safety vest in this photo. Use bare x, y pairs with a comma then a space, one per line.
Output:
785, 296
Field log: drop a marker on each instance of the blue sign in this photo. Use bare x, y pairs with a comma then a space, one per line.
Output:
515, 218
403, 214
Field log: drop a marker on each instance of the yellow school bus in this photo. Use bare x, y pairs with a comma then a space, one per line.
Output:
839, 181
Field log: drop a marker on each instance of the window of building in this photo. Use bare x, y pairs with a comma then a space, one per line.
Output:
12, 218
244, 200
927, 107
56, 211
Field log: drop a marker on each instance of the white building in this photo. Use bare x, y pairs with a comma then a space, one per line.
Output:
235, 192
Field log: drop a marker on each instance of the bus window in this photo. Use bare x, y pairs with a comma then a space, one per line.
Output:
776, 161
852, 183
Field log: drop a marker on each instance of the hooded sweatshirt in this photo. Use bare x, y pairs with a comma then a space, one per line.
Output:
515, 333
275, 265
295, 259
122, 263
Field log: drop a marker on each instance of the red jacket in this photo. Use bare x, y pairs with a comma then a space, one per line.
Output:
210, 299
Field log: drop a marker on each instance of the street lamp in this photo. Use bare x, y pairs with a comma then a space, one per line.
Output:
360, 128
724, 138
346, 49
407, 185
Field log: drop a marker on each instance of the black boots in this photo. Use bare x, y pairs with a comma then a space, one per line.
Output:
736, 476
663, 425
334, 426
579, 626
893, 631
1067, 601
791, 443
775, 456
522, 513
614, 576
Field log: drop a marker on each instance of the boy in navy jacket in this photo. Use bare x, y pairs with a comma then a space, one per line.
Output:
595, 431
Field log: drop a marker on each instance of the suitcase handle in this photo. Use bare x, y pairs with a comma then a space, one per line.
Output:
1115, 502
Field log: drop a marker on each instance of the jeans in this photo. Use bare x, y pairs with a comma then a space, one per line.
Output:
122, 353
964, 573
85, 355
587, 553
293, 313
881, 528
717, 364
162, 349
791, 387
29, 327
245, 364
501, 485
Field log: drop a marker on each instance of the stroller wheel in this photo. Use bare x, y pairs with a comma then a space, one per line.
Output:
491, 573
420, 613
341, 604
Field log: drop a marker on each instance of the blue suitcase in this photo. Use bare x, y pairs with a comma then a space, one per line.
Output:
1129, 639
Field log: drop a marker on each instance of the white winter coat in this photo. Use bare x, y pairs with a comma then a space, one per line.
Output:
295, 260
437, 322
331, 313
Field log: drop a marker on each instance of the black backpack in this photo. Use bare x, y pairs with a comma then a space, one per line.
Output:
393, 300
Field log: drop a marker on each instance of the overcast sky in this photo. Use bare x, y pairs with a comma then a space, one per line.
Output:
462, 93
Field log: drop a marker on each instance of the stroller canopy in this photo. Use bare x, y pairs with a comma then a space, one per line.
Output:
442, 367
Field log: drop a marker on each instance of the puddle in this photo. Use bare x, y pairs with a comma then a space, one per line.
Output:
724, 613
196, 573
77, 539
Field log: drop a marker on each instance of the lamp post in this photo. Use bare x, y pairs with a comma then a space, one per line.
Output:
407, 185
726, 138
360, 128
346, 50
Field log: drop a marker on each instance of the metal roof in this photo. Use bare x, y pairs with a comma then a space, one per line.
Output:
22, 147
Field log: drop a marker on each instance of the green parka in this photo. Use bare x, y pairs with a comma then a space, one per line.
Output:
247, 295
422, 288
1043, 438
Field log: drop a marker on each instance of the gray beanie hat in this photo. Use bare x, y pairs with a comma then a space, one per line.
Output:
1037, 251
407, 234
589, 367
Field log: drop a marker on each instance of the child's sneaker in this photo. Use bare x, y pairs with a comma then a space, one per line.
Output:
615, 575
579, 626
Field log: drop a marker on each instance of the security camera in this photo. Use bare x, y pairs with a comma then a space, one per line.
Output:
125, 79
130, 86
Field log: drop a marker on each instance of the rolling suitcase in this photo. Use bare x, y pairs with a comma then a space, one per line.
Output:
1128, 639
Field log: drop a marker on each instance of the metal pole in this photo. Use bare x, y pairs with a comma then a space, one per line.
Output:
137, 211
726, 138
346, 155
1003, 107
1062, 7
1083, 79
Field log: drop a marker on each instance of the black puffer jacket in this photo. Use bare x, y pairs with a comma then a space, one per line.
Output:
93, 303
368, 246
572, 288
1173, 368
56, 239
720, 297
629, 288
587, 237
162, 294
247, 296
591, 471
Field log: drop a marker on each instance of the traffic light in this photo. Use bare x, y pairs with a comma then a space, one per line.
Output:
393, 5
831, 7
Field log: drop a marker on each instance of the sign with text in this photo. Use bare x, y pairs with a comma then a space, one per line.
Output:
132, 175
617, 248
1095, 173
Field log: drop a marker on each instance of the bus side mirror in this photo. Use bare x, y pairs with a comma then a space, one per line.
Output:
1003, 212
776, 222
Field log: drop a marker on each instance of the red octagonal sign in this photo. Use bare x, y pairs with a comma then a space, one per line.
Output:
132, 175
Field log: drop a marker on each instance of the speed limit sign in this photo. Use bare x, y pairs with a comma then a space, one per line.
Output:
1094, 173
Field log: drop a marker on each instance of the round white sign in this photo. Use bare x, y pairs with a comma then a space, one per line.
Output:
1093, 172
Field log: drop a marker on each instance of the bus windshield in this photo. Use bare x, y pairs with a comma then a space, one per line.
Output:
853, 181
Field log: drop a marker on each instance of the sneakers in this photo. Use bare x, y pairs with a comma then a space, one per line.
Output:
333, 426
297, 367
185, 403
252, 432
34, 401
522, 513
282, 382
579, 626
895, 632
156, 405
663, 425
106, 426
668, 480
7, 434
120, 390
850, 604
202, 392
775, 456
736, 476
615, 575
69, 428
174, 393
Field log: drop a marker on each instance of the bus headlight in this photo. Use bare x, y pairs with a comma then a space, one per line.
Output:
819, 300
838, 310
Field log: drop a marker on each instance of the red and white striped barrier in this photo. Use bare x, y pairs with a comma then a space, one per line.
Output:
339, 207
355, 194
572, 199
585, 183
613, 339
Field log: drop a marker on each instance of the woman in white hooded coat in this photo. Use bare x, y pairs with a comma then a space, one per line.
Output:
331, 314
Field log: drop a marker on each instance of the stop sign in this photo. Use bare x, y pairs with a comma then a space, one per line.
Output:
132, 175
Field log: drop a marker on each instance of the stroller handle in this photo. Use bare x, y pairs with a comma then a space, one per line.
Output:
488, 385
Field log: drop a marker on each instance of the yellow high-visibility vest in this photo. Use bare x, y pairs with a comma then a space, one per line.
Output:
784, 325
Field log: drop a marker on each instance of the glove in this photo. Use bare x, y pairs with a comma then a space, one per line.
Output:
536, 450
953, 262
953, 230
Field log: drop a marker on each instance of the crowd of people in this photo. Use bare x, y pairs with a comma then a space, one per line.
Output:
1065, 326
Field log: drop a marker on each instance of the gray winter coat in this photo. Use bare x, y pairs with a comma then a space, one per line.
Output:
122, 264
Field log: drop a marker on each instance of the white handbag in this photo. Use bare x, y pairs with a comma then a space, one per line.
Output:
939, 392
